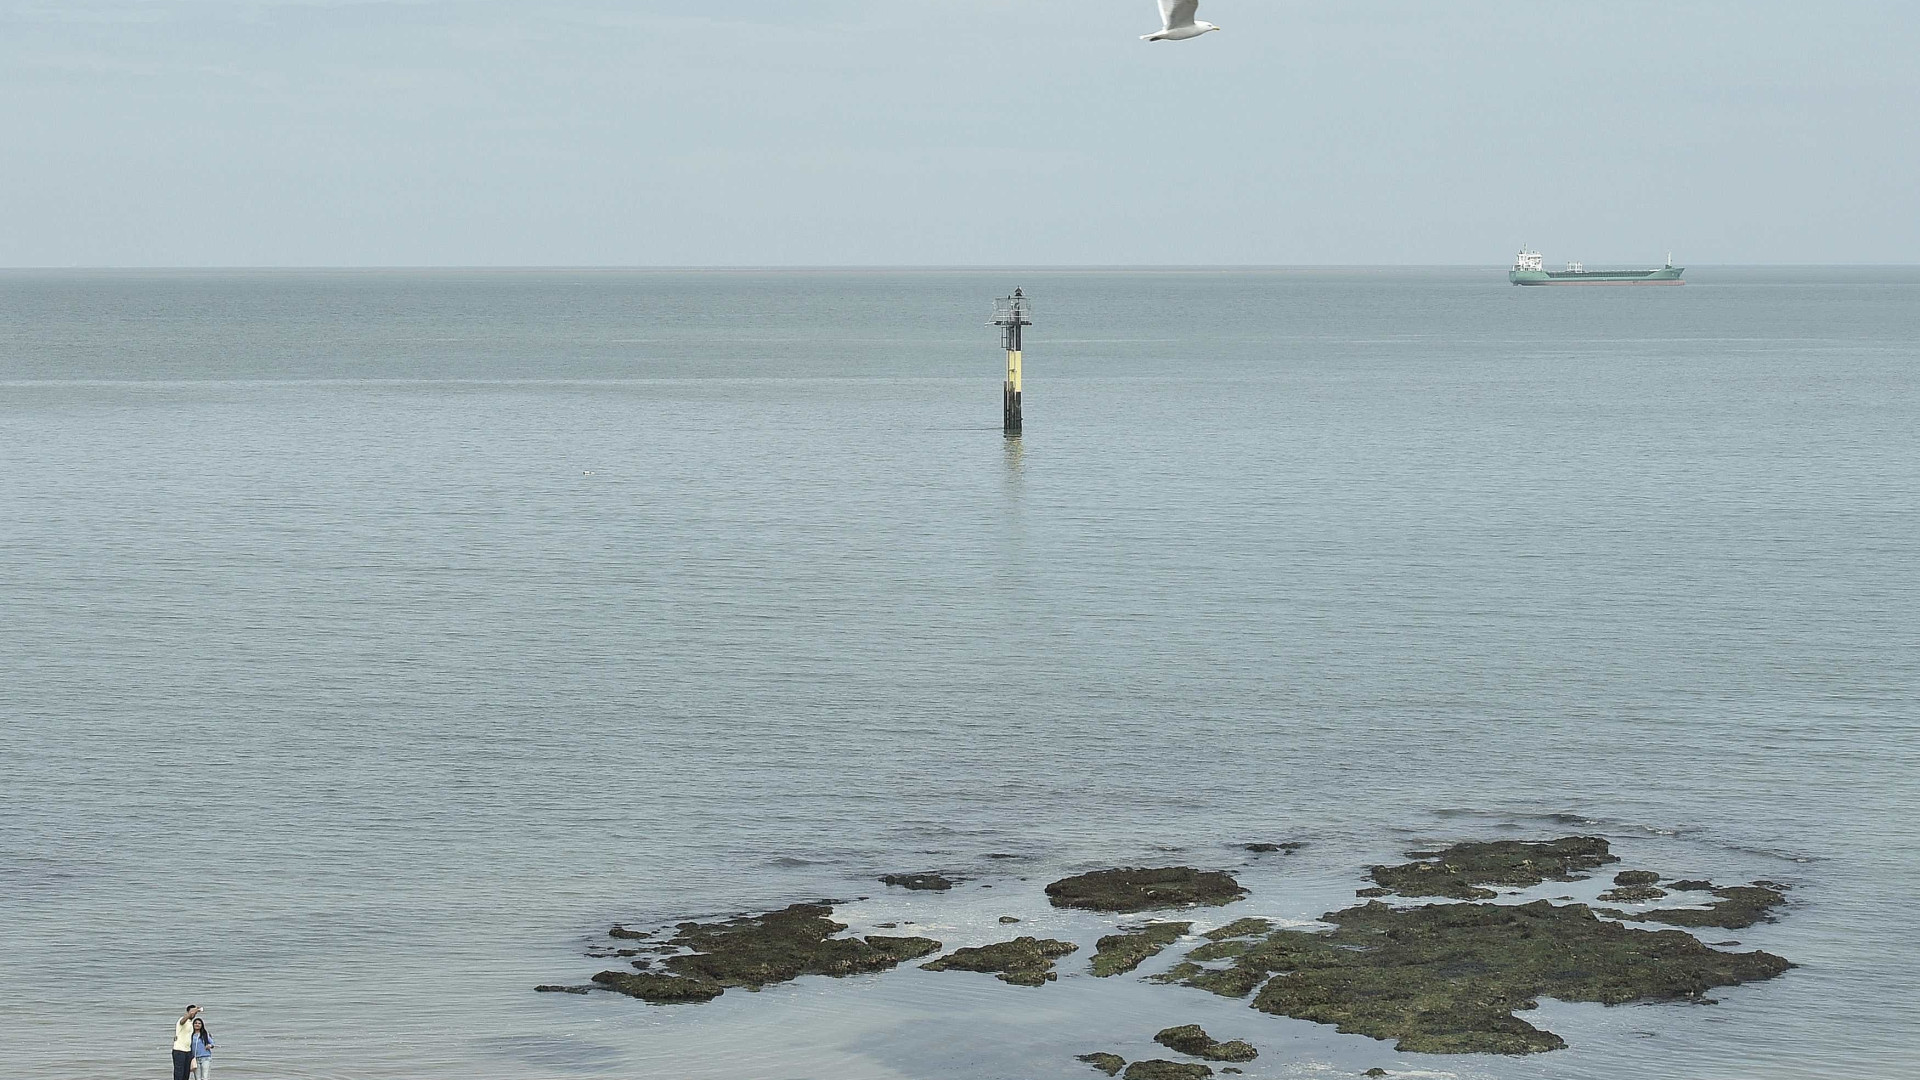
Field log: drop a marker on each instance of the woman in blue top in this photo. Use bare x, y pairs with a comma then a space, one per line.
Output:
202, 1050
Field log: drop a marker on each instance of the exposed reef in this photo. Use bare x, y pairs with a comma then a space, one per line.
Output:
1634, 887
1239, 928
1449, 977
1181, 972
659, 989
1227, 943
1739, 907
752, 951
1289, 847
1193, 1039
1458, 872
1446, 978
918, 882
1633, 894
1117, 954
1128, 890
1023, 961
1167, 1070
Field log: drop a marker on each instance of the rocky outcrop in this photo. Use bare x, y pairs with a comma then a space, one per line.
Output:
1117, 954
1167, 1070
1193, 1039
1127, 890
918, 882
1460, 872
1447, 978
1738, 907
753, 951
1023, 961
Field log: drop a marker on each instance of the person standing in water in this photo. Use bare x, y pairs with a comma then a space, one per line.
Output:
202, 1049
183, 1044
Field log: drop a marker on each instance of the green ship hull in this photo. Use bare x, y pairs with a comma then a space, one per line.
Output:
1668, 275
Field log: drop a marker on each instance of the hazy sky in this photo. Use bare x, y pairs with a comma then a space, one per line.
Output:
471, 132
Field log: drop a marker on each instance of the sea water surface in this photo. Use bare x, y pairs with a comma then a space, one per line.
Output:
370, 642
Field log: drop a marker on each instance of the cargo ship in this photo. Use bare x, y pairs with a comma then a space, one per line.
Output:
1530, 269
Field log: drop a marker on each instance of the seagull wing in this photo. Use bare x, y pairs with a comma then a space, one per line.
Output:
1175, 14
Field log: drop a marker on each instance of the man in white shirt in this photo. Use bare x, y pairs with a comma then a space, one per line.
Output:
183, 1044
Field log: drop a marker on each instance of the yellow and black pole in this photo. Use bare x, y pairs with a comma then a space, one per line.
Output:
1010, 313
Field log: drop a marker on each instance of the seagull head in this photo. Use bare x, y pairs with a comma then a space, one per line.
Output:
1203, 27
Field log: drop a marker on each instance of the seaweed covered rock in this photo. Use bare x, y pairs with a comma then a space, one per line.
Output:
1187, 1039
1289, 847
1167, 1070
1447, 978
1458, 872
1633, 894
1023, 961
753, 951
889, 952
918, 882
1375, 1071
1224, 949
1182, 972
1128, 890
1636, 877
657, 989
1738, 907
1691, 885
1117, 954
1239, 928
1230, 940
1193, 1039
1226, 943
1111, 1064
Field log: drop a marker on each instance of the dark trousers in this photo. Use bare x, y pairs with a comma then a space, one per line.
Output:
182, 1064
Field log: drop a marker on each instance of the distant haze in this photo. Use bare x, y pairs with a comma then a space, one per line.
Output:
591, 132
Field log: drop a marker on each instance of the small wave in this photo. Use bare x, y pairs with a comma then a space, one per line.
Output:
1777, 853
1508, 819
564, 1054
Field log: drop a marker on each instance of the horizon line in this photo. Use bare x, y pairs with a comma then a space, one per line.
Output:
892, 267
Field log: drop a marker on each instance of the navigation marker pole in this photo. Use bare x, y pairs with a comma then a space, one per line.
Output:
1010, 313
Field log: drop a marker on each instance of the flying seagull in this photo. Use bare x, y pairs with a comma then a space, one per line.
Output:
1177, 17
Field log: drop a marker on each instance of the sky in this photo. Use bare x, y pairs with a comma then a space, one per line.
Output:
955, 132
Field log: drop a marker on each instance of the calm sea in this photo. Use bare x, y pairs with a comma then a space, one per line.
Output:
370, 641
